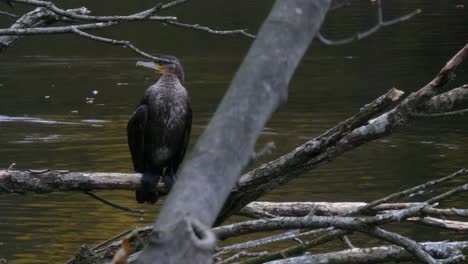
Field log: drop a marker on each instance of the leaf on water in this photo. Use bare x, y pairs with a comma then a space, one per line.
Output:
123, 253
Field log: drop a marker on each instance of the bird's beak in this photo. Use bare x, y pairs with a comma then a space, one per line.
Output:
160, 68
155, 66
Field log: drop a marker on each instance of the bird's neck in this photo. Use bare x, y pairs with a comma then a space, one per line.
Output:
170, 78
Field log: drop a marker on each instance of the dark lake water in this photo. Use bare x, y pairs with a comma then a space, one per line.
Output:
45, 121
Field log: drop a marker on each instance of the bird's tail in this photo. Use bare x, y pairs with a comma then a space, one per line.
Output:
147, 191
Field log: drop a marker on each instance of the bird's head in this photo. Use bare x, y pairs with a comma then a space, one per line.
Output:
171, 65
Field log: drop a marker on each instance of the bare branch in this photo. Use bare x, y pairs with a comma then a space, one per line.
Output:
445, 102
412, 190
8, 14
279, 223
448, 194
347, 241
408, 244
339, 4
443, 114
271, 239
242, 32
380, 254
123, 43
121, 207
173, 3
299, 249
361, 35
147, 15
457, 226
297, 209
240, 255
314, 152
52, 180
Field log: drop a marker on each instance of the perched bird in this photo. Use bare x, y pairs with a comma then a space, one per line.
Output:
159, 130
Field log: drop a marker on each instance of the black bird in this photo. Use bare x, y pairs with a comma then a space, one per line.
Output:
159, 130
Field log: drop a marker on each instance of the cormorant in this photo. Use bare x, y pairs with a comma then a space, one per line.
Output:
159, 130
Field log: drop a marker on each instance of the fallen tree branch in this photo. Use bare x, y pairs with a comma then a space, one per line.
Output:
43, 181
309, 221
299, 249
448, 101
335, 142
271, 239
380, 254
337, 208
445, 114
457, 226
410, 245
394, 212
410, 191
240, 255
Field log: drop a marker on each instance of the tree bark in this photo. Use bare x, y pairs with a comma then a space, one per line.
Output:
375, 254
44, 181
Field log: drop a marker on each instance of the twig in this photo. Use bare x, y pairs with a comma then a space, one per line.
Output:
266, 150
457, 226
242, 254
256, 209
410, 245
55, 30
347, 242
146, 15
173, 3
339, 5
448, 194
123, 43
412, 190
381, 254
121, 207
271, 239
11, 167
241, 32
8, 14
298, 249
279, 223
361, 35
444, 114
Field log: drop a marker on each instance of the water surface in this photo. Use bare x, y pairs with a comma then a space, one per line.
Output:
46, 122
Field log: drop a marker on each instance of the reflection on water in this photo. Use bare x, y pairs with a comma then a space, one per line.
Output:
64, 132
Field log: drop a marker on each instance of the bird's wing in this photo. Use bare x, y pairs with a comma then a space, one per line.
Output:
186, 138
136, 136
